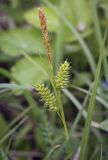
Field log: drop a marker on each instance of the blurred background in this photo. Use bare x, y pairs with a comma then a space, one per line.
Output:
29, 131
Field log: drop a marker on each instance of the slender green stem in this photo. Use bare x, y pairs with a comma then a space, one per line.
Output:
77, 119
59, 102
21, 115
101, 156
62, 115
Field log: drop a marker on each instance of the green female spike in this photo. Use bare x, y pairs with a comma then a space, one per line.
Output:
47, 96
62, 77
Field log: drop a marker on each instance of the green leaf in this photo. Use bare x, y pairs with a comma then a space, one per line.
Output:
75, 11
14, 42
104, 125
78, 13
27, 72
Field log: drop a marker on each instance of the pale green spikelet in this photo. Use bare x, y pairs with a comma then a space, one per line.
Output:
62, 77
46, 96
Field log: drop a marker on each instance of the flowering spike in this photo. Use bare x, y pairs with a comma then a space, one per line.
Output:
46, 96
62, 77
45, 33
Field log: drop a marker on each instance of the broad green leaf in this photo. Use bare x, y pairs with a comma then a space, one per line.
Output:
104, 125
14, 42
74, 11
78, 13
28, 73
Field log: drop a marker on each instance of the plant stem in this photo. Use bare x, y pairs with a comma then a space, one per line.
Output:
59, 102
62, 115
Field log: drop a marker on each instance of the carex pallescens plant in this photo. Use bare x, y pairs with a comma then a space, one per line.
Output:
58, 81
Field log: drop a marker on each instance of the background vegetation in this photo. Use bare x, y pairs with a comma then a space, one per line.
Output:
77, 28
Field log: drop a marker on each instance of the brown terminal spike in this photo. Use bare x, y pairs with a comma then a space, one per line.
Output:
45, 33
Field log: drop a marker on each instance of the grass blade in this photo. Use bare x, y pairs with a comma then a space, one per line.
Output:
13, 130
85, 137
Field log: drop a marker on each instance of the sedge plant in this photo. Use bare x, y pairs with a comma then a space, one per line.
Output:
58, 81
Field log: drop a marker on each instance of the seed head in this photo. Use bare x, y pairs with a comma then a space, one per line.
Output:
62, 77
47, 96
45, 33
